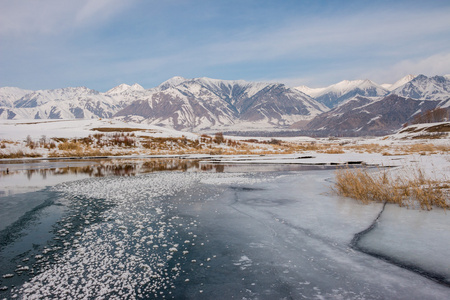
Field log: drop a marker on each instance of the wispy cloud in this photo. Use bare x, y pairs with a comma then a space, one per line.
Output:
384, 35
54, 16
101, 41
325, 51
438, 64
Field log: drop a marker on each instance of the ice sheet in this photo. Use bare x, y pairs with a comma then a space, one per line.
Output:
214, 235
416, 239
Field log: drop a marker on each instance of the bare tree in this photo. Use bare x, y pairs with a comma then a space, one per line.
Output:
431, 116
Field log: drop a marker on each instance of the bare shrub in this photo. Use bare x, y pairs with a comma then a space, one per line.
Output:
218, 138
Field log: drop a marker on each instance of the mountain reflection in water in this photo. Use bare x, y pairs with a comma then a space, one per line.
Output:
101, 168
41, 169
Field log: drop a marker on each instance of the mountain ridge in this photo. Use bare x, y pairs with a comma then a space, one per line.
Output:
389, 113
337, 93
203, 103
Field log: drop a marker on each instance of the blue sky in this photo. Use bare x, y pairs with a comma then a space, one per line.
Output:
99, 44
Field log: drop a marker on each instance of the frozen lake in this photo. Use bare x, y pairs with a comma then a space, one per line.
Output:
178, 229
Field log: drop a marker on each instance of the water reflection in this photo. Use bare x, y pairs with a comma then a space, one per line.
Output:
101, 168
131, 167
26, 176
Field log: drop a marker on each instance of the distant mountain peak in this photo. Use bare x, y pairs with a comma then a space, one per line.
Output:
338, 93
313, 92
399, 82
137, 87
172, 82
121, 88
425, 88
118, 89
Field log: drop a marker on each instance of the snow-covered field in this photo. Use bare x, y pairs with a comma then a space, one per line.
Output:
16, 130
105, 137
260, 227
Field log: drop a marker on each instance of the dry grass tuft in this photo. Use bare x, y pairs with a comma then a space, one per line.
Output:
367, 186
19, 154
70, 146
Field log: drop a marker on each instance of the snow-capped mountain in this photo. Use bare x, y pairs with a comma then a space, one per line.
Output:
399, 82
313, 92
425, 88
236, 105
335, 94
205, 103
413, 95
187, 104
10, 94
172, 82
124, 88
65, 103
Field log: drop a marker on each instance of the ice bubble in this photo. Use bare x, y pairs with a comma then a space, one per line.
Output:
22, 268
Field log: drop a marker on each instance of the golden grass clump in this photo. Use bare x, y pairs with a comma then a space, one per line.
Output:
335, 150
419, 148
70, 146
367, 186
367, 148
87, 152
19, 154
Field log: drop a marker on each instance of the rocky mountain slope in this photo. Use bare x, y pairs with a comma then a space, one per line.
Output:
204, 103
366, 117
408, 97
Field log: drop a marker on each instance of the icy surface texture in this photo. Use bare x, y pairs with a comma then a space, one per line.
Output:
227, 235
416, 239
126, 244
